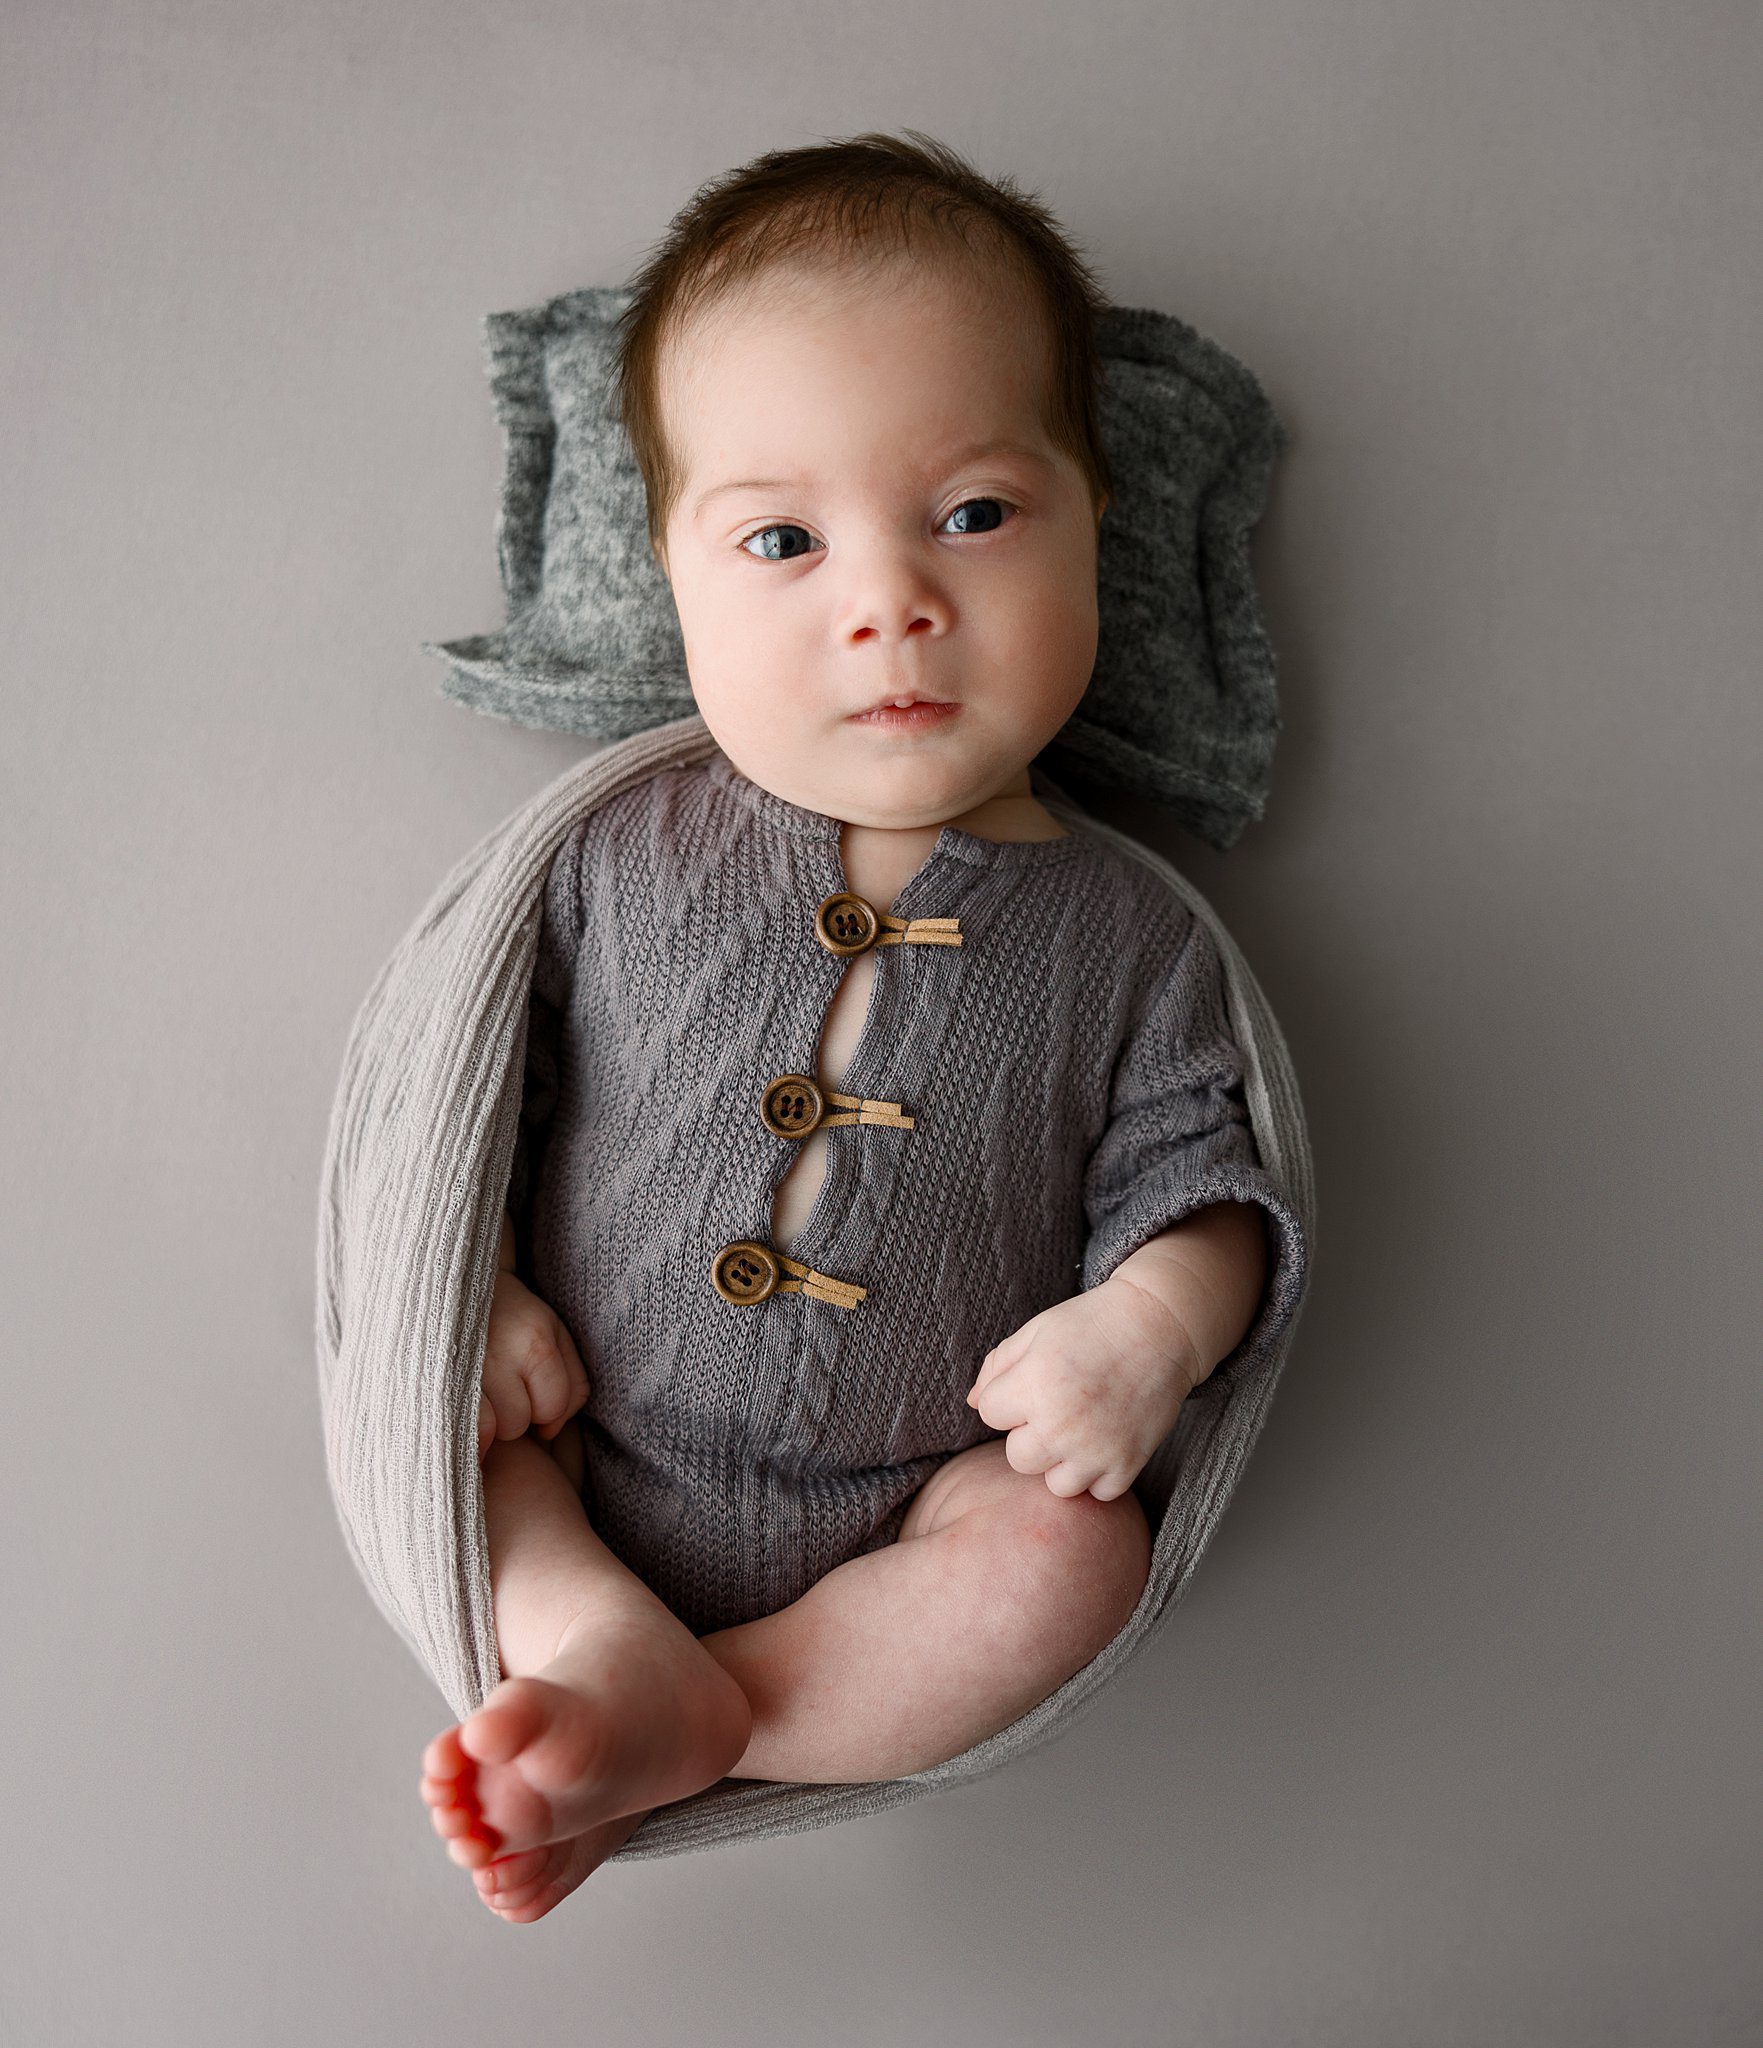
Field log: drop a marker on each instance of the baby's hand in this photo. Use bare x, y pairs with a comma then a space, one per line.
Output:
1088, 1388
533, 1376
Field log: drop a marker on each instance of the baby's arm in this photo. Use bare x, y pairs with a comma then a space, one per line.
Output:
533, 1375
1207, 1273
1089, 1388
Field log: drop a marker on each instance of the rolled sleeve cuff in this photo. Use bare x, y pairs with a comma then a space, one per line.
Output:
1145, 1213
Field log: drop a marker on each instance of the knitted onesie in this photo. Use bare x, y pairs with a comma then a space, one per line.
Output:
1042, 1098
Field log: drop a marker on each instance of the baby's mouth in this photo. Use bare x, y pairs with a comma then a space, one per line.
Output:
907, 713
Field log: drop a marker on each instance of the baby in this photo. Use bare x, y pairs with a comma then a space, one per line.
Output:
844, 1485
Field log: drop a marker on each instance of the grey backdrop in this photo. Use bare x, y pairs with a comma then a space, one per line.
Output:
1454, 1739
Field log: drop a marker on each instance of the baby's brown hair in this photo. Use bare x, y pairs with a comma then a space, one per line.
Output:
867, 196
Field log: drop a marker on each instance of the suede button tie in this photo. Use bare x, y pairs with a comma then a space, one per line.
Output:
793, 1105
747, 1271
847, 924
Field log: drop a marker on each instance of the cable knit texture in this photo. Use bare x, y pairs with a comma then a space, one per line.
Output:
1073, 1089
1095, 1060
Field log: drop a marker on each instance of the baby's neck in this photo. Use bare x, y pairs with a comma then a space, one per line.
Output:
1009, 813
880, 861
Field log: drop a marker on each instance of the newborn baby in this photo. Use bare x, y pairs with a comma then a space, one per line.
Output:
885, 1183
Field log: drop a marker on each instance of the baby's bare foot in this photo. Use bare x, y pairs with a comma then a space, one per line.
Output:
630, 1713
526, 1887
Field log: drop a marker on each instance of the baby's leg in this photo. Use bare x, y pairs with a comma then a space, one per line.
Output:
609, 1706
995, 1593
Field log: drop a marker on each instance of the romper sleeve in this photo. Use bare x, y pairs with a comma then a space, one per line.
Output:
548, 998
1178, 1138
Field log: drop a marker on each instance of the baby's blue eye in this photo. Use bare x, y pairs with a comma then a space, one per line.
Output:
774, 550
972, 515
985, 523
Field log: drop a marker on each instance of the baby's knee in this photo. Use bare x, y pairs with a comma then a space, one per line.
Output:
1091, 1557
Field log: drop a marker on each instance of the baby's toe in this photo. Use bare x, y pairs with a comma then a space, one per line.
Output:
508, 1871
512, 1898
449, 1821
444, 1758
507, 1722
516, 1880
472, 1851
557, 1869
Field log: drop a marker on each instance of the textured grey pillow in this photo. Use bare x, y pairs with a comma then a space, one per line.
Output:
1181, 707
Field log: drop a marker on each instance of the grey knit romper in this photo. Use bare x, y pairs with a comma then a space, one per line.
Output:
1042, 1097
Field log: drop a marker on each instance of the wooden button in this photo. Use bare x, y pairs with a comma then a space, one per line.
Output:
745, 1271
846, 924
791, 1106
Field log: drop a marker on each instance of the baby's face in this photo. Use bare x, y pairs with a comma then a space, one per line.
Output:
872, 509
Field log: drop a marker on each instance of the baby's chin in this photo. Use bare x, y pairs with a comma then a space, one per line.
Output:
897, 784
888, 775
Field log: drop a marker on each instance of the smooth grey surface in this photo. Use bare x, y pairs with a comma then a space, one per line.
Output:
1454, 1738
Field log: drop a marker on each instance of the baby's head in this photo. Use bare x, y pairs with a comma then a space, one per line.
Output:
860, 382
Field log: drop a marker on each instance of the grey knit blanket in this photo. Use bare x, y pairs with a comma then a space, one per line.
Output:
416, 1171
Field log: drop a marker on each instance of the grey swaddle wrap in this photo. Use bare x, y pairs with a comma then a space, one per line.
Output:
422, 1133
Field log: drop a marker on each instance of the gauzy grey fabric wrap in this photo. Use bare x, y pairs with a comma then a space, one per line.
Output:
416, 1172
1181, 707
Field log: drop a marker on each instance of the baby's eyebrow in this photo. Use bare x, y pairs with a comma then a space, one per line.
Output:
969, 453
747, 483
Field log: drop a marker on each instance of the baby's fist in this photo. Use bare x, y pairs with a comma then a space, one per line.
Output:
533, 1376
1087, 1389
